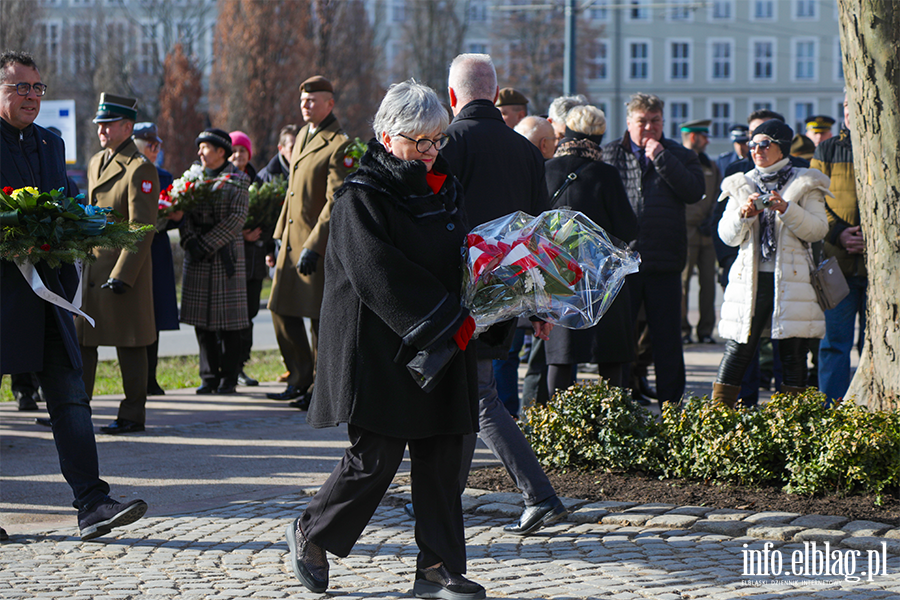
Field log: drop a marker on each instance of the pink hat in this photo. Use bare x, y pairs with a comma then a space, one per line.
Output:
239, 138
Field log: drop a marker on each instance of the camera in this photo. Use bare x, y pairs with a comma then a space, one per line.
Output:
763, 201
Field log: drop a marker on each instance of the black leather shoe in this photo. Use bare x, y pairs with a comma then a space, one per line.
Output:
686, 339
244, 379
308, 560
534, 517
301, 403
207, 388
644, 387
291, 393
26, 401
154, 389
227, 386
43, 421
122, 426
441, 583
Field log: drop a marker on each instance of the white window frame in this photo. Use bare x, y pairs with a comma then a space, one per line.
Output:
627, 58
761, 100
680, 5
599, 7
670, 117
837, 71
142, 38
711, 12
54, 58
728, 122
398, 12
483, 8
92, 41
643, 6
711, 60
751, 46
753, 17
794, 121
589, 60
670, 59
795, 9
813, 58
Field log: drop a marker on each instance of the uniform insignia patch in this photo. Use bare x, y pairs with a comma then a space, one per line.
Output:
146, 186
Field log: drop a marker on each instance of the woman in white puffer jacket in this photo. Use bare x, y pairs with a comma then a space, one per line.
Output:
769, 284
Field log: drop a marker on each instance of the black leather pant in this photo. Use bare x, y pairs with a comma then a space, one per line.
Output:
738, 356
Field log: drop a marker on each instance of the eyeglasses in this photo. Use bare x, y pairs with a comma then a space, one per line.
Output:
23, 89
764, 144
425, 144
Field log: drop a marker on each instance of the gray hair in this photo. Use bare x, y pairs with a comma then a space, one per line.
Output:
410, 108
473, 77
645, 103
588, 119
560, 107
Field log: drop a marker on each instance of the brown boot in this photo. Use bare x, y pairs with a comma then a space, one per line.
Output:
726, 394
792, 390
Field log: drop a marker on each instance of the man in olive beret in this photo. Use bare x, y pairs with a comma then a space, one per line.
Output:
319, 163
513, 106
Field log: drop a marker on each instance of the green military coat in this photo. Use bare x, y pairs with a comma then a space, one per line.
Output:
130, 186
319, 164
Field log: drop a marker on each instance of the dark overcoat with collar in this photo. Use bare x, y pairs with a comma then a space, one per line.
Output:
500, 172
130, 186
319, 164
393, 289
22, 313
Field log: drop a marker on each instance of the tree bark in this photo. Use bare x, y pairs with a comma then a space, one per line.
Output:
870, 39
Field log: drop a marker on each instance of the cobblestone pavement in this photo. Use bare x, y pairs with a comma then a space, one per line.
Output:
239, 551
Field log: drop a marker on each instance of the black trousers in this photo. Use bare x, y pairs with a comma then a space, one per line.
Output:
791, 350
254, 291
337, 515
220, 355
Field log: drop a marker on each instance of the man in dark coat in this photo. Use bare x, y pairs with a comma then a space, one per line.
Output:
661, 177
501, 172
39, 336
280, 165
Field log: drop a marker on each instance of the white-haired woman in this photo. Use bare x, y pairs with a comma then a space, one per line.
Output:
774, 212
392, 294
597, 191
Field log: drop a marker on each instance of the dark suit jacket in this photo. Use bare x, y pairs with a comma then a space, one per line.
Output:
22, 312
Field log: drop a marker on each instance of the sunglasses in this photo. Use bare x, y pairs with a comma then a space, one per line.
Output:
763, 144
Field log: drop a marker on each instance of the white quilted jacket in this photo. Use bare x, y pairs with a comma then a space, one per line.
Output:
796, 314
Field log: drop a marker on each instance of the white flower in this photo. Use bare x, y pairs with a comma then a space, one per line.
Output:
537, 277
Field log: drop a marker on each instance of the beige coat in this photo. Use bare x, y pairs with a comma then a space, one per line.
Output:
796, 313
318, 168
130, 186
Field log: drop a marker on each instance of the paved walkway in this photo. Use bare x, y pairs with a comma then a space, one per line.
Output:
225, 475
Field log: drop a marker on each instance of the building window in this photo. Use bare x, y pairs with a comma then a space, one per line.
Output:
838, 60
763, 60
148, 57
805, 60
478, 11
722, 10
680, 10
680, 61
802, 111
82, 55
398, 11
81, 2
598, 60
805, 9
639, 10
679, 113
756, 105
49, 34
639, 61
763, 10
117, 38
720, 113
599, 11
721, 54
477, 48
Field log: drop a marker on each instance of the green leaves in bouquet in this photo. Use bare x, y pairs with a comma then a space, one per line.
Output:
266, 200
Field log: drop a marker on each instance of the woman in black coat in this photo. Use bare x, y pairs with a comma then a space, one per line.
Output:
392, 293
596, 191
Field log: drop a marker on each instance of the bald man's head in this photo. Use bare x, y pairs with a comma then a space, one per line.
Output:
539, 132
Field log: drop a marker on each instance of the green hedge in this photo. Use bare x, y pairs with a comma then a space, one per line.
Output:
793, 441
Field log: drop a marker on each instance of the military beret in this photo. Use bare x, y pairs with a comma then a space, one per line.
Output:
216, 137
740, 134
819, 123
316, 83
146, 131
802, 146
115, 108
509, 96
698, 126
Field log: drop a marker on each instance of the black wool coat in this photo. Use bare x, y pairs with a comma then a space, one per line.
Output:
392, 288
33, 157
597, 192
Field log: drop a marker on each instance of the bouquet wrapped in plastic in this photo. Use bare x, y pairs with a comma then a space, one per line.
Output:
193, 188
559, 266
265, 203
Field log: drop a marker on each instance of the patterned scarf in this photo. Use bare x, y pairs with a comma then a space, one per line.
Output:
768, 179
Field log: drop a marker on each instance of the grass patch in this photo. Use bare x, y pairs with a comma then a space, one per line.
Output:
172, 373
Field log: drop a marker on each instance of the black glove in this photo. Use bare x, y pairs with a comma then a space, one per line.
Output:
192, 247
117, 286
308, 262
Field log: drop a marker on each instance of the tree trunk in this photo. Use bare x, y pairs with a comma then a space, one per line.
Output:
870, 39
